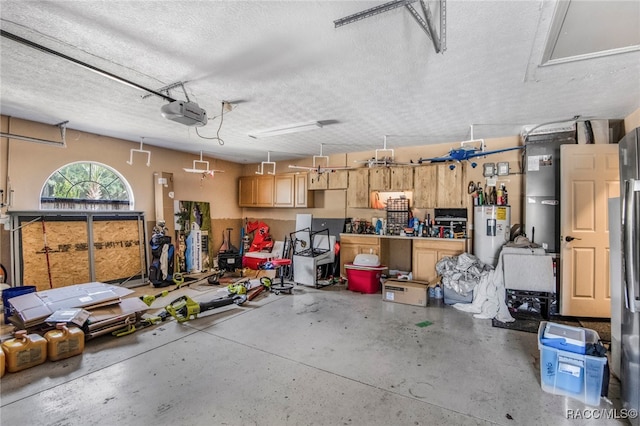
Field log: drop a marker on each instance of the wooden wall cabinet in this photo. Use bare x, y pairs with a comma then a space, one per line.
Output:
401, 178
317, 181
338, 179
353, 245
450, 193
303, 197
256, 191
437, 186
283, 190
426, 253
358, 190
424, 187
379, 179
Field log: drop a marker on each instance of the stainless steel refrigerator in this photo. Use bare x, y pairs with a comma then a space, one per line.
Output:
629, 148
542, 188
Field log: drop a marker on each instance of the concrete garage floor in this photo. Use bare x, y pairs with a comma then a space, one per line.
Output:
318, 357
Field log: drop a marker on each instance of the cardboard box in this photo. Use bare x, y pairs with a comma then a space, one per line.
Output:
33, 308
407, 292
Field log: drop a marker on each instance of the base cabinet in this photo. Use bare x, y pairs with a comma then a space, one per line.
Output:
353, 245
426, 253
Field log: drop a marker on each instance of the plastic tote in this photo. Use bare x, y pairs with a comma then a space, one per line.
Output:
8, 293
571, 374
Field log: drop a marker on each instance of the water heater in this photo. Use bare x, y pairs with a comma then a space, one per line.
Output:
491, 230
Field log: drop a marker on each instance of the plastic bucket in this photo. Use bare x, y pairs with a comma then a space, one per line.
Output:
8, 293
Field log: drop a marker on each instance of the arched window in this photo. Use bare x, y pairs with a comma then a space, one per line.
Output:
86, 185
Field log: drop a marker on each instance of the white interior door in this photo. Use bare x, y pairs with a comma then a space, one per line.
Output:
589, 177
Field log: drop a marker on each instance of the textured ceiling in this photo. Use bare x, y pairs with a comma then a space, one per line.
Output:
288, 64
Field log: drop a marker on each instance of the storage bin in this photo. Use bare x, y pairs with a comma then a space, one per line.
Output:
571, 374
364, 279
8, 293
24, 351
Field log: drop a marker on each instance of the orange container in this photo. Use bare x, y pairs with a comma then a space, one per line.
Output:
24, 351
64, 342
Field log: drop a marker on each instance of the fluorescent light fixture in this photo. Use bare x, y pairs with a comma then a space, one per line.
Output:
292, 128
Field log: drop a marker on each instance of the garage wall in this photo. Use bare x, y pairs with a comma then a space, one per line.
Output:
24, 166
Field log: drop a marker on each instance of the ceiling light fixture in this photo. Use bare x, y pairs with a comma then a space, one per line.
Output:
292, 128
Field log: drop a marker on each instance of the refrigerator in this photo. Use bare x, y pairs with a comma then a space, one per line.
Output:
542, 188
629, 149
491, 230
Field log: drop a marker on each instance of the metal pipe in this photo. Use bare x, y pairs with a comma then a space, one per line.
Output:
97, 70
30, 139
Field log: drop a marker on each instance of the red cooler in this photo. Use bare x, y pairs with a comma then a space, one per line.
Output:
363, 275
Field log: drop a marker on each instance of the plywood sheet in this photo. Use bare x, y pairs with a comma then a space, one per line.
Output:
66, 260
116, 249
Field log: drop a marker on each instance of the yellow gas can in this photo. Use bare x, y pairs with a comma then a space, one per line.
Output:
2, 362
64, 342
24, 351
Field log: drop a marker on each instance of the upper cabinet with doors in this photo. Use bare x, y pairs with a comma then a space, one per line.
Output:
338, 179
401, 178
283, 190
379, 179
424, 187
302, 196
450, 193
317, 180
358, 190
437, 186
335, 179
256, 191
